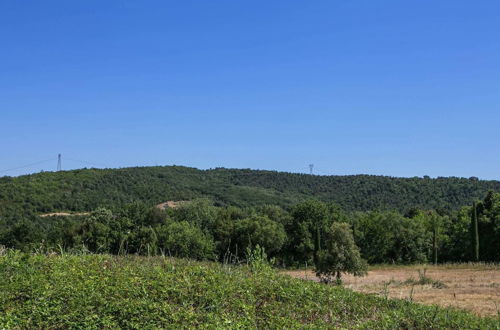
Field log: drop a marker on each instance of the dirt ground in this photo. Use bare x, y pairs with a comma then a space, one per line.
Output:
171, 204
474, 287
63, 214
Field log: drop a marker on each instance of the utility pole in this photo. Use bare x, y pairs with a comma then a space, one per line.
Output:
59, 162
311, 168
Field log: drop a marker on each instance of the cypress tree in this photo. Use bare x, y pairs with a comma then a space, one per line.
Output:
475, 233
434, 245
317, 243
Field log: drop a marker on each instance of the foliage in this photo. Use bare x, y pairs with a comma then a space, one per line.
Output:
226, 211
475, 233
310, 219
489, 227
257, 259
388, 237
339, 255
88, 189
261, 231
182, 239
130, 292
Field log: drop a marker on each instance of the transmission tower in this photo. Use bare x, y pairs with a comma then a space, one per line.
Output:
311, 168
59, 162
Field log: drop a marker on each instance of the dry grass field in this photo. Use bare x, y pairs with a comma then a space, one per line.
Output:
475, 287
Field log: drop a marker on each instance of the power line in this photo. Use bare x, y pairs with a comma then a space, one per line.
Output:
28, 165
84, 162
240, 172
59, 163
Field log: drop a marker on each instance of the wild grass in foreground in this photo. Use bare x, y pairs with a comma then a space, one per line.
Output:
101, 291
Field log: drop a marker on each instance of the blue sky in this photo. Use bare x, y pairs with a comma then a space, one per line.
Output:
379, 87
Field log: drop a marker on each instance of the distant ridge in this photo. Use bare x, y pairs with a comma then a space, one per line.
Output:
86, 189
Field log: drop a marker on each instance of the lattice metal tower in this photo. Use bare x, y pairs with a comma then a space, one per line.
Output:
311, 168
59, 165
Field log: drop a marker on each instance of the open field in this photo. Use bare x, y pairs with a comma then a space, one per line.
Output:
475, 287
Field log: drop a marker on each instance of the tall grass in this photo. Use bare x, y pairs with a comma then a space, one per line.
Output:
52, 291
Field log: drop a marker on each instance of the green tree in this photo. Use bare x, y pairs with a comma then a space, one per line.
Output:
22, 235
182, 239
436, 225
489, 227
143, 240
475, 233
96, 233
459, 244
388, 237
259, 230
309, 220
340, 254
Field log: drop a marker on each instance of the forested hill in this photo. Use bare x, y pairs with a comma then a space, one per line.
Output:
86, 189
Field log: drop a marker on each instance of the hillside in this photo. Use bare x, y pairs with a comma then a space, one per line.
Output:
99, 291
86, 189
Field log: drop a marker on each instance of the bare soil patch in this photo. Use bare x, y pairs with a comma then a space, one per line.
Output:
472, 287
171, 204
63, 214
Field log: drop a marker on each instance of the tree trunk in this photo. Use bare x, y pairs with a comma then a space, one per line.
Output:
339, 279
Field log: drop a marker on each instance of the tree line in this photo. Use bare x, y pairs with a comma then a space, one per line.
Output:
293, 236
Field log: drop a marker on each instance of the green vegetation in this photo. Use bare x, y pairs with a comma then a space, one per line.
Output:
294, 236
118, 269
88, 189
423, 279
340, 255
475, 232
118, 216
102, 291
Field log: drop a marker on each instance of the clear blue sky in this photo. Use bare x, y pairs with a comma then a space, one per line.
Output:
401, 88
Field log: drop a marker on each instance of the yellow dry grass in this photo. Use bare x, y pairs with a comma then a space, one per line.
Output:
474, 287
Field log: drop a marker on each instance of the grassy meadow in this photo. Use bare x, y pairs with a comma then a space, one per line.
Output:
51, 291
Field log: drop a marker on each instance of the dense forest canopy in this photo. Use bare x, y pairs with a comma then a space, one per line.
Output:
227, 211
87, 189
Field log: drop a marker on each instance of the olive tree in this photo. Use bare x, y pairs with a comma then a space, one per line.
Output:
340, 254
